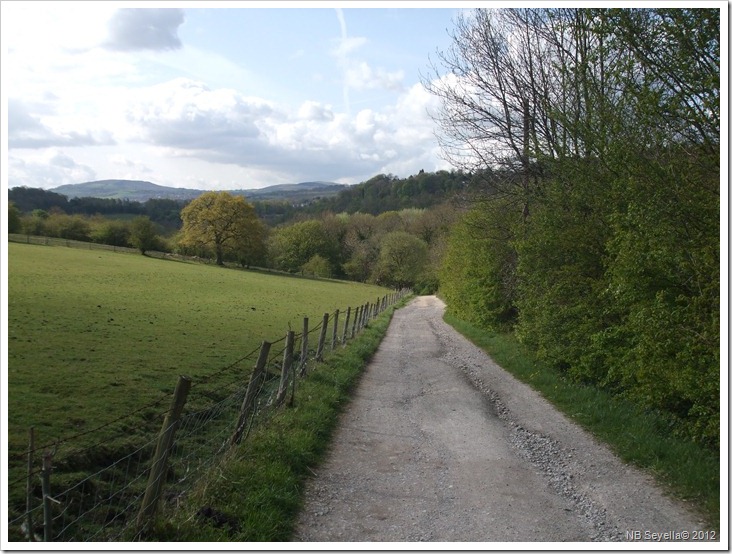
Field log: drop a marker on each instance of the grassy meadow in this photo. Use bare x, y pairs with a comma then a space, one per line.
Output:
96, 335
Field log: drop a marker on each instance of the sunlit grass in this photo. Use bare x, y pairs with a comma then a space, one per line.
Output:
95, 335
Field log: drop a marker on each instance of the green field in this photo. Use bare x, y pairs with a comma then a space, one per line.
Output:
95, 335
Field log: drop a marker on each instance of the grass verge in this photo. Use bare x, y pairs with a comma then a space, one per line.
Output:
688, 471
255, 494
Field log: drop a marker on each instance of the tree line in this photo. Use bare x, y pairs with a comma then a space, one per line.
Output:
596, 240
399, 248
379, 194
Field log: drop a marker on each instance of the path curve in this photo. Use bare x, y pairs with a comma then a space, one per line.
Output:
441, 444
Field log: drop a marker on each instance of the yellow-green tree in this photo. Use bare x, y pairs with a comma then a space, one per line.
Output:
223, 222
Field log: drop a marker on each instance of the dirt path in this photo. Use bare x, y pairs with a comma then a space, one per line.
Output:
441, 444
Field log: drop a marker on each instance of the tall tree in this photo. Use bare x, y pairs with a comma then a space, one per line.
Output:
220, 221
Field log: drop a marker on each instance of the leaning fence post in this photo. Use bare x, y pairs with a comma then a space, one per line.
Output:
345, 326
252, 390
46, 488
304, 351
335, 331
29, 486
321, 339
286, 365
165, 442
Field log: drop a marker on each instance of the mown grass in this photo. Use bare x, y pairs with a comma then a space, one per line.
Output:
255, 495
95, 335
687, 470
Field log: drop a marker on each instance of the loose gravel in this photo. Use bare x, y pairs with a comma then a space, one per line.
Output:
441, 444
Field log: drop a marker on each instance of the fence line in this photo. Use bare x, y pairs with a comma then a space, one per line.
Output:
117, 500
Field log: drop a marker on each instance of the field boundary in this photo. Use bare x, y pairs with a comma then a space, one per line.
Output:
42, 240
76, 491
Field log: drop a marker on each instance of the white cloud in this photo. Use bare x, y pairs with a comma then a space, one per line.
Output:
38, 28
130, 166
187, 115
47, 169
29, 131
315, 111
359, 75
190, 120
145, 29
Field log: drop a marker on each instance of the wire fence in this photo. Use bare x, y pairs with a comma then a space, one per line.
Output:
108, 483
85, 245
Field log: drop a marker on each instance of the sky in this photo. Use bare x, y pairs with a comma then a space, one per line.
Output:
219, 95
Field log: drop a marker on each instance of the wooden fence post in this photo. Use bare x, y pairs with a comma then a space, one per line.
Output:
46, 488
159, 466
252, 391
345, 326
286, 366
321, 339
29, 485
335, 331
355, 321
304, 351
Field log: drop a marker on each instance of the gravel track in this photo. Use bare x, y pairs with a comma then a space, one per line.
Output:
441, 444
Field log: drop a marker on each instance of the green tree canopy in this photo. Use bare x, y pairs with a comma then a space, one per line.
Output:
292, 246
402, 260
220, 221
143, 234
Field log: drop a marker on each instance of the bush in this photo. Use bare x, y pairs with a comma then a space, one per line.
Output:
318, 266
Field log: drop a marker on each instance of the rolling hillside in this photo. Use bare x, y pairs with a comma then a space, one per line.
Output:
141, 191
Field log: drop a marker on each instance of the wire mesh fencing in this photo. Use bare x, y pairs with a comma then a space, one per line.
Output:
108, 483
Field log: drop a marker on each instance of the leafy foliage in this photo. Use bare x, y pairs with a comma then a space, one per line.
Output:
402, 260
164, 212
601, 128
384, 193
143, 234
477, 278
225, 223
14, 223
291, 247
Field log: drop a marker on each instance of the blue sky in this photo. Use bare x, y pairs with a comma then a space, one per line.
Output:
218, 95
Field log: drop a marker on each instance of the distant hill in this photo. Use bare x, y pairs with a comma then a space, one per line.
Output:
294, 192
141, 191
275, 204
122, 189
